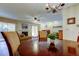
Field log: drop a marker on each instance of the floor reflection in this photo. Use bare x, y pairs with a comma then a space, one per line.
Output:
35, 46
45, 44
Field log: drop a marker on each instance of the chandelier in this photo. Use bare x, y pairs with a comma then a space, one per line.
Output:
54, 7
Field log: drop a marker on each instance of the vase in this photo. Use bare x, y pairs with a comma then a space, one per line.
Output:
53, 41
50, 40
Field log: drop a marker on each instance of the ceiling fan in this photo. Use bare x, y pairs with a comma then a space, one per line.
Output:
54, 7
36, 19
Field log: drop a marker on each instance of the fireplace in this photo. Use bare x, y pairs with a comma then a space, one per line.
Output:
25, 33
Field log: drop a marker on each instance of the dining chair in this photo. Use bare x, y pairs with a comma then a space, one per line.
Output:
42, 36
13, 42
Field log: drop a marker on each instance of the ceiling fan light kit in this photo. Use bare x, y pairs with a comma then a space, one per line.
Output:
35, 18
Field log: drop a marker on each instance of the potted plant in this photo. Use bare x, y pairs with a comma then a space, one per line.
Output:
53, 36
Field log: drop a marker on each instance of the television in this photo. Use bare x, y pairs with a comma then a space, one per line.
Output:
25, 33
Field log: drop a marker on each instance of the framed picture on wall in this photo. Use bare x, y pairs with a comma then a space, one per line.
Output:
24, 26
71, 20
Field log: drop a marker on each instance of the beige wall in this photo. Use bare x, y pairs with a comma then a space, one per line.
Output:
71, 31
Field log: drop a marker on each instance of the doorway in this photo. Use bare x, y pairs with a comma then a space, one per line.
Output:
34, 31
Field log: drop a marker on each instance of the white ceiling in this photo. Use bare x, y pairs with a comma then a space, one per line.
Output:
26, 11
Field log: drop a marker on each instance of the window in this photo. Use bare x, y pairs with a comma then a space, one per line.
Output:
7, 26
11, 27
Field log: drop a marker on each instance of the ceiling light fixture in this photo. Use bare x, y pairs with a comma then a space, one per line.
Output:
53, 7
36, 20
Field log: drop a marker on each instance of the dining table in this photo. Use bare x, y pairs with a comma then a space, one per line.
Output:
35, 48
